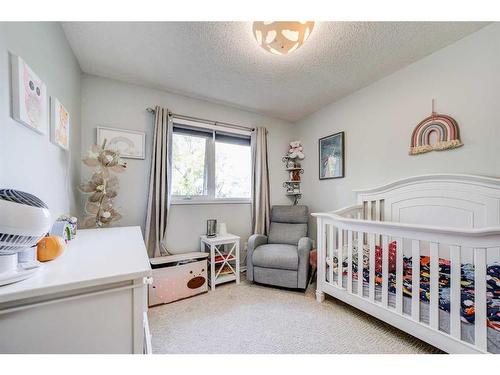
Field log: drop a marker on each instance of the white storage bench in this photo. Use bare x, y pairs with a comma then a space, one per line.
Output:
177, 277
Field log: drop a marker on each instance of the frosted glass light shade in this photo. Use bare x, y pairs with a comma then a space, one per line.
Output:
282, 37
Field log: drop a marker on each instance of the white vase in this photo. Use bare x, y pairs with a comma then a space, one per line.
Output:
222, 229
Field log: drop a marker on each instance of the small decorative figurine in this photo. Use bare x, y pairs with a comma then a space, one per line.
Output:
295, 150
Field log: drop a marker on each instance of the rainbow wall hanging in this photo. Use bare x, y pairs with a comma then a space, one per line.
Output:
446, 129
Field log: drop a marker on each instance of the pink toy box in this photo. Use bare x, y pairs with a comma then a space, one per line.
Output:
177, 277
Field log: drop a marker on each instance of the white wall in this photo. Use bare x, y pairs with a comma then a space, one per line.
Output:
378, 120
28, 160
115, 104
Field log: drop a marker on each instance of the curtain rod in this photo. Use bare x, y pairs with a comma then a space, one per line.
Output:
203, 121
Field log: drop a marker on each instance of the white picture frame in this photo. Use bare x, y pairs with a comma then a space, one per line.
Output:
130, 143
60, 123
30, 101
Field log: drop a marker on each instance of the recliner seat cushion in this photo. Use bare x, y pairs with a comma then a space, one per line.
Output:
276, 256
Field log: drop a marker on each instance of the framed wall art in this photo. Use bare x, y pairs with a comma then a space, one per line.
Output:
331, 156
29, 97
59, 124
130, 143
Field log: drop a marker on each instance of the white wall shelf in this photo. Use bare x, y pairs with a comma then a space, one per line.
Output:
292, 185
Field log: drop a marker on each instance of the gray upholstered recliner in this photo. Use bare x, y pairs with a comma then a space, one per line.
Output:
282, 258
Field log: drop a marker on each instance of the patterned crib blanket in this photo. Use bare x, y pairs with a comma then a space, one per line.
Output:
467, 282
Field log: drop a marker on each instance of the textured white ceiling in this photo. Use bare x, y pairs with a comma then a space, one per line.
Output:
221, 62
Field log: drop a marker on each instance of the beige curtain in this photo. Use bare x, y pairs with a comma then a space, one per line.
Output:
159, 185
261, 209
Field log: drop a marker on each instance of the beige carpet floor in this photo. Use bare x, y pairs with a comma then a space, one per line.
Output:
250, 318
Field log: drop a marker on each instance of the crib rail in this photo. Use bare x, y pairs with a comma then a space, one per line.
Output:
345, 235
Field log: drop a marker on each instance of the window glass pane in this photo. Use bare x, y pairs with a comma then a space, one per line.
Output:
189, 176
232, 170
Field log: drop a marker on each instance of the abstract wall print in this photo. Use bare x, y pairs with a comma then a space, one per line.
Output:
130, 144
60, 123
29, 97
331, 156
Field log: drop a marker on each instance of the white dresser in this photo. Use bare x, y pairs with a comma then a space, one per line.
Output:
92, 299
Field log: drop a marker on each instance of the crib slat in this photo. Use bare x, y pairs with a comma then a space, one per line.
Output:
349, 261
369, 210
371, 270
385, 271
434, 285
455, 291
377, 210
360, 264
399, 275
415, 280
331, 246
480, 328
321, 254
340, 257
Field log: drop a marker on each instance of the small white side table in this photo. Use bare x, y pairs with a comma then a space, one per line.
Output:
220, 257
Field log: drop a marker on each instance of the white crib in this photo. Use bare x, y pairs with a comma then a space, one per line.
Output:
453, 217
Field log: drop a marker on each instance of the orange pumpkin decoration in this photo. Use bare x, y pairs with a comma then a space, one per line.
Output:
49, 248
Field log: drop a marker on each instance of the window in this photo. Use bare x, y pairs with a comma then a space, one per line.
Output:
210, 165
189, 172
233, 167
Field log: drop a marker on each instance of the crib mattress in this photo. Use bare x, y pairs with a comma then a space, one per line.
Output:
467, 329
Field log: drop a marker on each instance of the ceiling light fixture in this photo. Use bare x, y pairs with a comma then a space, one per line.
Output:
282, 37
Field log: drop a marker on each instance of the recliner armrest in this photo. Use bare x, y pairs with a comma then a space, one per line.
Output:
303, 248
305, 245
254, 241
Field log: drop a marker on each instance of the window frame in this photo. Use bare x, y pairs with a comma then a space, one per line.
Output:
210, 197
